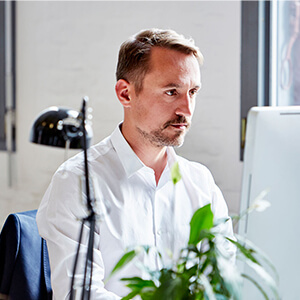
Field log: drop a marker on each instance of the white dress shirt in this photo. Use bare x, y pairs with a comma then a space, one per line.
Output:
141, 212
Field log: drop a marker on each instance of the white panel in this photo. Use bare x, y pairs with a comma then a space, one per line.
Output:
272, 160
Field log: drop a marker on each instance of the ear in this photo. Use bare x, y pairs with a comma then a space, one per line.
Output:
123, 90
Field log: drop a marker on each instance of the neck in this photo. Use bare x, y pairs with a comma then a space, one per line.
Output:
155, 159
152, 156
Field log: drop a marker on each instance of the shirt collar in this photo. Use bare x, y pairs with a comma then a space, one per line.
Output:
172, 156
130, 161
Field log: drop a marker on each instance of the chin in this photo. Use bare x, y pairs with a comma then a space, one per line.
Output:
158, 139
176, 142
178, 145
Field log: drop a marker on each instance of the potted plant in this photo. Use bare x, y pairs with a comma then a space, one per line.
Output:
203, 269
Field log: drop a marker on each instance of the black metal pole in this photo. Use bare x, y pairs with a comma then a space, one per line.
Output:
73, 289
91, 219
87, 282
86, 167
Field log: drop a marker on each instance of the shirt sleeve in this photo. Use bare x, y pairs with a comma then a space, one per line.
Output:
202, 190
59, 222
220, 210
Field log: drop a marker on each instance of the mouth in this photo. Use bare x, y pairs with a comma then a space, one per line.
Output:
179, 126
180, 123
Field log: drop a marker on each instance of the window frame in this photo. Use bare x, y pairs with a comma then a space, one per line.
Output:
255, 60
7, 76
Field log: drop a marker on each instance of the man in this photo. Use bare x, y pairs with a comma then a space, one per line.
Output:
158, 78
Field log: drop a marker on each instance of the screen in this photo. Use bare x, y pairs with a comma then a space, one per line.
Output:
272, 162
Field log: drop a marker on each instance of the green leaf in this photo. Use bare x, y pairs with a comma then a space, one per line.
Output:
175, 173
221, 297
192, 271
257, 285
128, 257
138, 282
221, 221
125, 259
248, 253
265, 276
231, 277
201, 220
171, 288
259, 253
139, 286
208, 289
147, 293
130, 295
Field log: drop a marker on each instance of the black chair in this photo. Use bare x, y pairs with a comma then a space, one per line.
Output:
24, 262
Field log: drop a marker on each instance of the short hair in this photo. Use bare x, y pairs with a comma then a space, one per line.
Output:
134, 55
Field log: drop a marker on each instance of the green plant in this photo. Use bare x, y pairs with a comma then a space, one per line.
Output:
204, 270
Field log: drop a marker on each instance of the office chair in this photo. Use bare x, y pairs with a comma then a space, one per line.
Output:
24, 262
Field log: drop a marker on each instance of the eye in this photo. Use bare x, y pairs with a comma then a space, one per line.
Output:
171, 92
194, 92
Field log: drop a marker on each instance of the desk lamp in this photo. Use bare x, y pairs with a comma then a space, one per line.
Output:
67, 128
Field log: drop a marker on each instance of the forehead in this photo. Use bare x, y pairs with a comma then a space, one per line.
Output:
171, 66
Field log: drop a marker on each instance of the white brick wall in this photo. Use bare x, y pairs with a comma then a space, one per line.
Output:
66, 50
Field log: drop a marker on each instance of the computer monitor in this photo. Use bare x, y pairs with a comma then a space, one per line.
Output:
272, 161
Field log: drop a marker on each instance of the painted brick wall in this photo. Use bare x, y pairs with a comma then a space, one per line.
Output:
66, 50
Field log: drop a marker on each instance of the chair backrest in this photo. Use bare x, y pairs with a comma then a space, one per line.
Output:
24, 262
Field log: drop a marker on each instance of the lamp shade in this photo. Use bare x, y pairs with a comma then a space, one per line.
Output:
56, 125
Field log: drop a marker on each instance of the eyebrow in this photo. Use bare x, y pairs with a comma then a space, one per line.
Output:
175, 85
171, 85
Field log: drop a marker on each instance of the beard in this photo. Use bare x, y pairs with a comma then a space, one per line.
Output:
161, 137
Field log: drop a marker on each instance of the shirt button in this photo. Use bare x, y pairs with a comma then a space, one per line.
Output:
159, 232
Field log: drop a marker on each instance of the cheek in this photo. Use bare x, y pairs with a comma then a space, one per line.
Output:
153, 109
163, 112
193, 106
193, 111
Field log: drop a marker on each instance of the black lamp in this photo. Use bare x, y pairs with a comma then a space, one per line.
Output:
67, 128
57, 127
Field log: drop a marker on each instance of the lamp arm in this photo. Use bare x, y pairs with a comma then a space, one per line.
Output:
88, 271
86, 167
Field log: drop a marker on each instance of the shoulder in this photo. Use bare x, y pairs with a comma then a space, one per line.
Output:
75, 164
68, 177
194, 169
198, 179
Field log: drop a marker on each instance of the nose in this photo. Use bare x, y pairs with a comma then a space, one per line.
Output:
185, 106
